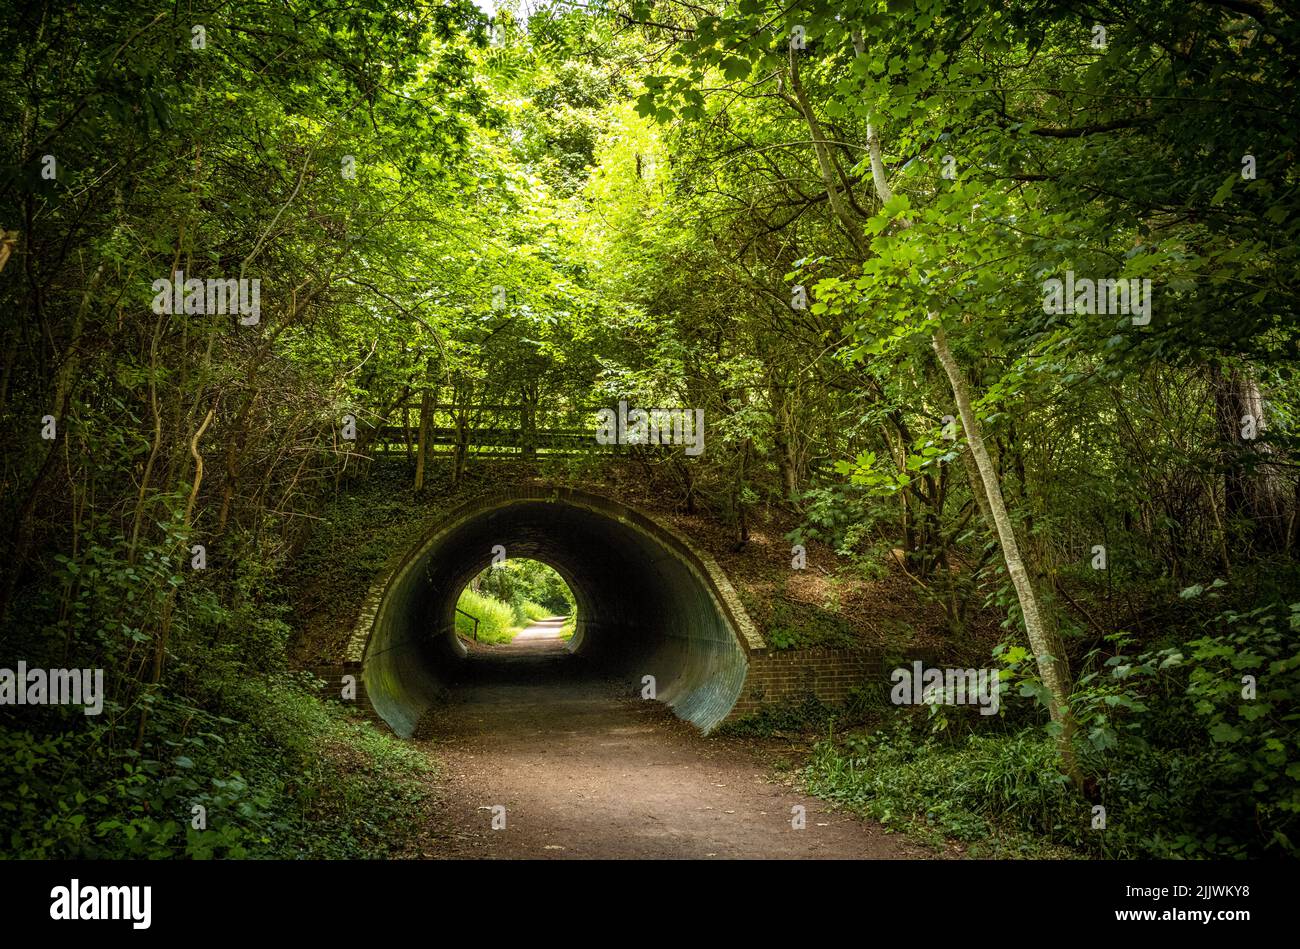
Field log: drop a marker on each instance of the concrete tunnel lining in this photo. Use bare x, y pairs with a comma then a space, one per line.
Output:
647, 605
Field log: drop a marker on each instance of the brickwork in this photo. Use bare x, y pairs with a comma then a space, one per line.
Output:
333, 686
790, 676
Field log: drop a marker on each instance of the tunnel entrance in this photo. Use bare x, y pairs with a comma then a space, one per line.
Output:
649, 610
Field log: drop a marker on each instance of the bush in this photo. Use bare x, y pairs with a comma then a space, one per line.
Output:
280, 775
525, 611
534, 612
1191, 750
496, 620
520, 580
1197, 743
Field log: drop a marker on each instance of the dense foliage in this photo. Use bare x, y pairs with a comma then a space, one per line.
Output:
830, 227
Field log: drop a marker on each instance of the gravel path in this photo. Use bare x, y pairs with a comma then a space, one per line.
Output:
585, 771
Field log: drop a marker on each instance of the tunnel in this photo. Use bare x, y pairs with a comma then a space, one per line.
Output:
648, 605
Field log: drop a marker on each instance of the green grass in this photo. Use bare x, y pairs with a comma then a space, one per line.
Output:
499, 622
1001, 795
535, 611
496, 620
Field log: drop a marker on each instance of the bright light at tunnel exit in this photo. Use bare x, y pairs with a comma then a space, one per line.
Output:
516, 599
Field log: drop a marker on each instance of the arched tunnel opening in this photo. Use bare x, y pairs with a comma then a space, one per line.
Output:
647, 605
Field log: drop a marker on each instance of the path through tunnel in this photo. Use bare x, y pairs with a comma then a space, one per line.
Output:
647, 605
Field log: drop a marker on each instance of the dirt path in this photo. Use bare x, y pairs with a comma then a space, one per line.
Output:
583, 771
542, 629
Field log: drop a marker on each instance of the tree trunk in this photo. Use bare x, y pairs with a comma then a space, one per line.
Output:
1048, 652
1251, 493
1049, 656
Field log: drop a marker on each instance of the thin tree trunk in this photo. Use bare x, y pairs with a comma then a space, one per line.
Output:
1049, 656
154, 447
1042, 639
165, 623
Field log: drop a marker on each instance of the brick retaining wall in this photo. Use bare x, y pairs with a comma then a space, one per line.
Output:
332, 687
831, 675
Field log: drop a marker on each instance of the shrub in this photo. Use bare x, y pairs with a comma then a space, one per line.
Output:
496, 620
533, 612
1191, 749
